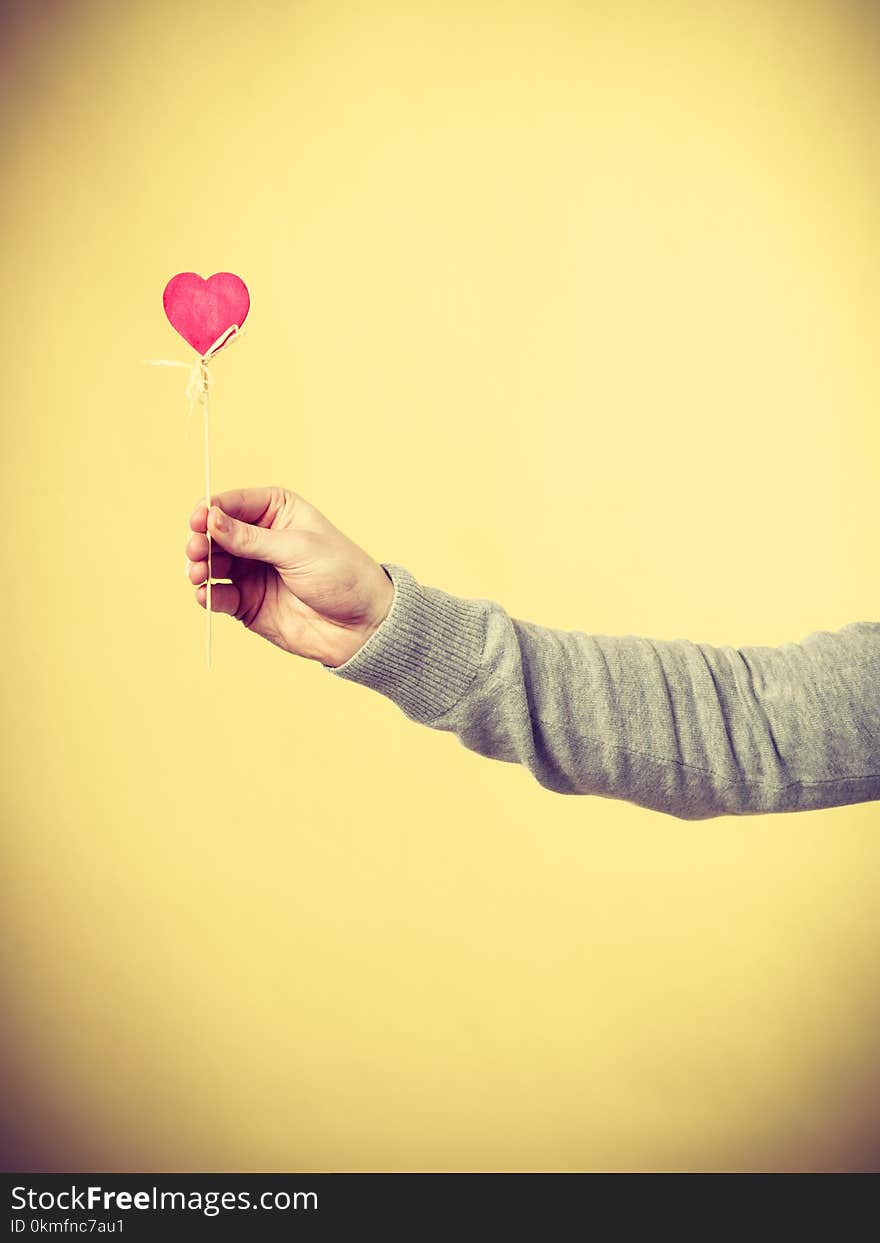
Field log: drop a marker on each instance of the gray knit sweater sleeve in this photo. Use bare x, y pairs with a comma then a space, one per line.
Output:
684, 728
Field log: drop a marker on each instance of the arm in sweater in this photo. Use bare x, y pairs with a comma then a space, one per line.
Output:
684, 728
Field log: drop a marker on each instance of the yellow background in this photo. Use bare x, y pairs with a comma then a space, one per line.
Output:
570, 306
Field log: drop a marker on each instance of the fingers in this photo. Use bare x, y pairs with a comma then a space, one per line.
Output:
197, 550
254, 524
256, 505
197, 571
225, 598
243, 539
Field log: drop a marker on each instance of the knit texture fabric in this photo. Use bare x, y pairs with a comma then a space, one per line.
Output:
684, 728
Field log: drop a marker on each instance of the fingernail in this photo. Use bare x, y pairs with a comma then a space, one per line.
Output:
220, 519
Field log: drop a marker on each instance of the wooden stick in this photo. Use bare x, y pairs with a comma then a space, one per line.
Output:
197, 390
204, 379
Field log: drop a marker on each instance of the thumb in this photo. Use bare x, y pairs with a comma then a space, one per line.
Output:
242, 539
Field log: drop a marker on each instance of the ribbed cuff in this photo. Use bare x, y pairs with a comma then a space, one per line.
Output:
426, 652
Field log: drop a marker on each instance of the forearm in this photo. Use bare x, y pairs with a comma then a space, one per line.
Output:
684, 728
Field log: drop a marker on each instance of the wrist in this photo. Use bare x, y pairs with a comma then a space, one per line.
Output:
384, 599
354, 637
427, 652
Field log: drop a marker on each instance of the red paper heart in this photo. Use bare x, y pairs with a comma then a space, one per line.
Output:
201, 311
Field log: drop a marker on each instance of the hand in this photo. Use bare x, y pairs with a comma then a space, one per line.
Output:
296, 579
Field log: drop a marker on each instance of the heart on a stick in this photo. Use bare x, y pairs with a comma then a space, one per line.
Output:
203, 310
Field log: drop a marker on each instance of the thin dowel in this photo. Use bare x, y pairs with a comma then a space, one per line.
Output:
204, 377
